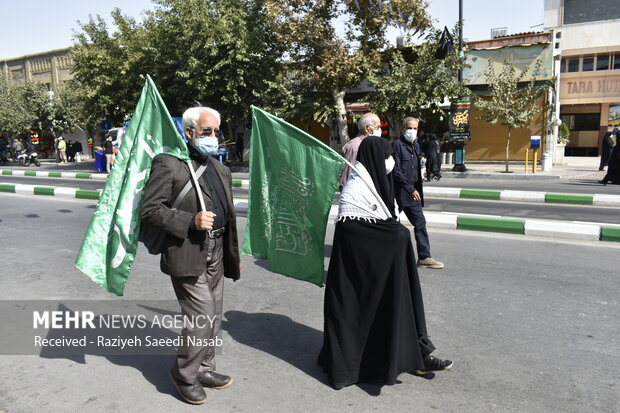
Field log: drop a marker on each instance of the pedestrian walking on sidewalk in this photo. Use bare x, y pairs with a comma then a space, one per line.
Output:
613, 171
408, 179
609, 142
62, 149
108, 146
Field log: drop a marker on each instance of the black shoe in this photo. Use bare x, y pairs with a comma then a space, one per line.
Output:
434, 364
191, 393
214, 380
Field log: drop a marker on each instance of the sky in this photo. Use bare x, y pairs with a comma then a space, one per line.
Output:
33, 26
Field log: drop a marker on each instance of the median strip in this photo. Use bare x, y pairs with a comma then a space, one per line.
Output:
59, 191
523, 196
434, 219
54, 174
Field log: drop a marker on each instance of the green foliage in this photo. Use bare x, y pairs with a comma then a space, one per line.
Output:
407, 88
324, 64
27, 106
563, 134
511, 104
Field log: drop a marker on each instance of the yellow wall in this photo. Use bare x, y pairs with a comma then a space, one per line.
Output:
488, 142
318, 130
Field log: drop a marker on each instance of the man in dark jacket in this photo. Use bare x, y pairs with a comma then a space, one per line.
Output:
407, 175
201, 247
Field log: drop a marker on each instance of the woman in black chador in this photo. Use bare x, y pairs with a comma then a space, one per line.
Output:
613, 171
375, 327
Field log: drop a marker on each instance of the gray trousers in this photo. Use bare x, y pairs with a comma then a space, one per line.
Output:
201, 299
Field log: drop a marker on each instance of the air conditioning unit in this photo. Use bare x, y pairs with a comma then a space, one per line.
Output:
499, 32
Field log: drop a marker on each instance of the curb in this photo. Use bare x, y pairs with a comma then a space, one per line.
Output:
524, 196
490, 223
241, 183
53, 174
59, 191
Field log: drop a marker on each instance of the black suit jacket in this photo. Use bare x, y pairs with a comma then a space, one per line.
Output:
407, 173
185, 251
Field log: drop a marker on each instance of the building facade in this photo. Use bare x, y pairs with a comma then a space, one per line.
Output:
586, 37
523, 50
51, 68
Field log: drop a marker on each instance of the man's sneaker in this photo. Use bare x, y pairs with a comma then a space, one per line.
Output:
430, 263
434, 364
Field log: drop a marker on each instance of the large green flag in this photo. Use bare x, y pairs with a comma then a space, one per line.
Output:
110, 243
293, 178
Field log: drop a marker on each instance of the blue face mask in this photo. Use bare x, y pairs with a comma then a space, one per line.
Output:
206, 145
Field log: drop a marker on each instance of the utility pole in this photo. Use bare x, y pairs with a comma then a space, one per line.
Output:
459, 161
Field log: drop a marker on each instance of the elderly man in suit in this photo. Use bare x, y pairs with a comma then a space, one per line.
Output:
201, 247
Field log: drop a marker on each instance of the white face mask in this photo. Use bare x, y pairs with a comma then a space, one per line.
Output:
377, 132
206, 145
410, 135
389, 164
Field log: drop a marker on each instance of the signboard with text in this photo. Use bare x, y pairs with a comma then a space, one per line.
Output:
459, 119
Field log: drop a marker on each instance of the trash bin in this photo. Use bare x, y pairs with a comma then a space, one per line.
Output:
546, 161
99, 161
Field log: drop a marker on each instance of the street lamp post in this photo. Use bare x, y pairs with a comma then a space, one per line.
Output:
459, 162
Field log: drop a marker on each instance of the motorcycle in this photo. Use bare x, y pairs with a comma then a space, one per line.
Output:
25, 159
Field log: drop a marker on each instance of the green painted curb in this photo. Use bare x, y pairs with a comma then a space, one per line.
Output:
509, 226
569, 199
7, 188
86, 194
480, 194
55, 174
83, 176
7, 172
236, 182
30, 173
39, 190
610, 234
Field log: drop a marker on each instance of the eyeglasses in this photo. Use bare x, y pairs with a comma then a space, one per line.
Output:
208, 131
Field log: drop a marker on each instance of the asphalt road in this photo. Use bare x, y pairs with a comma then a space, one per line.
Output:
531, 324
570, 186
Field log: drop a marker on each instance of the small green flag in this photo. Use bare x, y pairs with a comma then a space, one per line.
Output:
293, 178
111, 240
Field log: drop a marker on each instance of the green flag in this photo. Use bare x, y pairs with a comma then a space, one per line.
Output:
110, 243
293, 178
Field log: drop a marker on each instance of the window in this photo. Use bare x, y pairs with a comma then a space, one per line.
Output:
588, 64
582, 121
580, 11
617, 61
602, 62
563, 66
573, 65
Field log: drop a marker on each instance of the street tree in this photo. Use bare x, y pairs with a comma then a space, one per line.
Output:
107, 68
221, 53
324, 62
26, 106
410, 88
513, 102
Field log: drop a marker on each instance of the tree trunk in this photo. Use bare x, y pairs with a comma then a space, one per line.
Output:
507, 150
341, 116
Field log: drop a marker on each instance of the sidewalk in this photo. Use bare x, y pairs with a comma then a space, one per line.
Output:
574, 167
